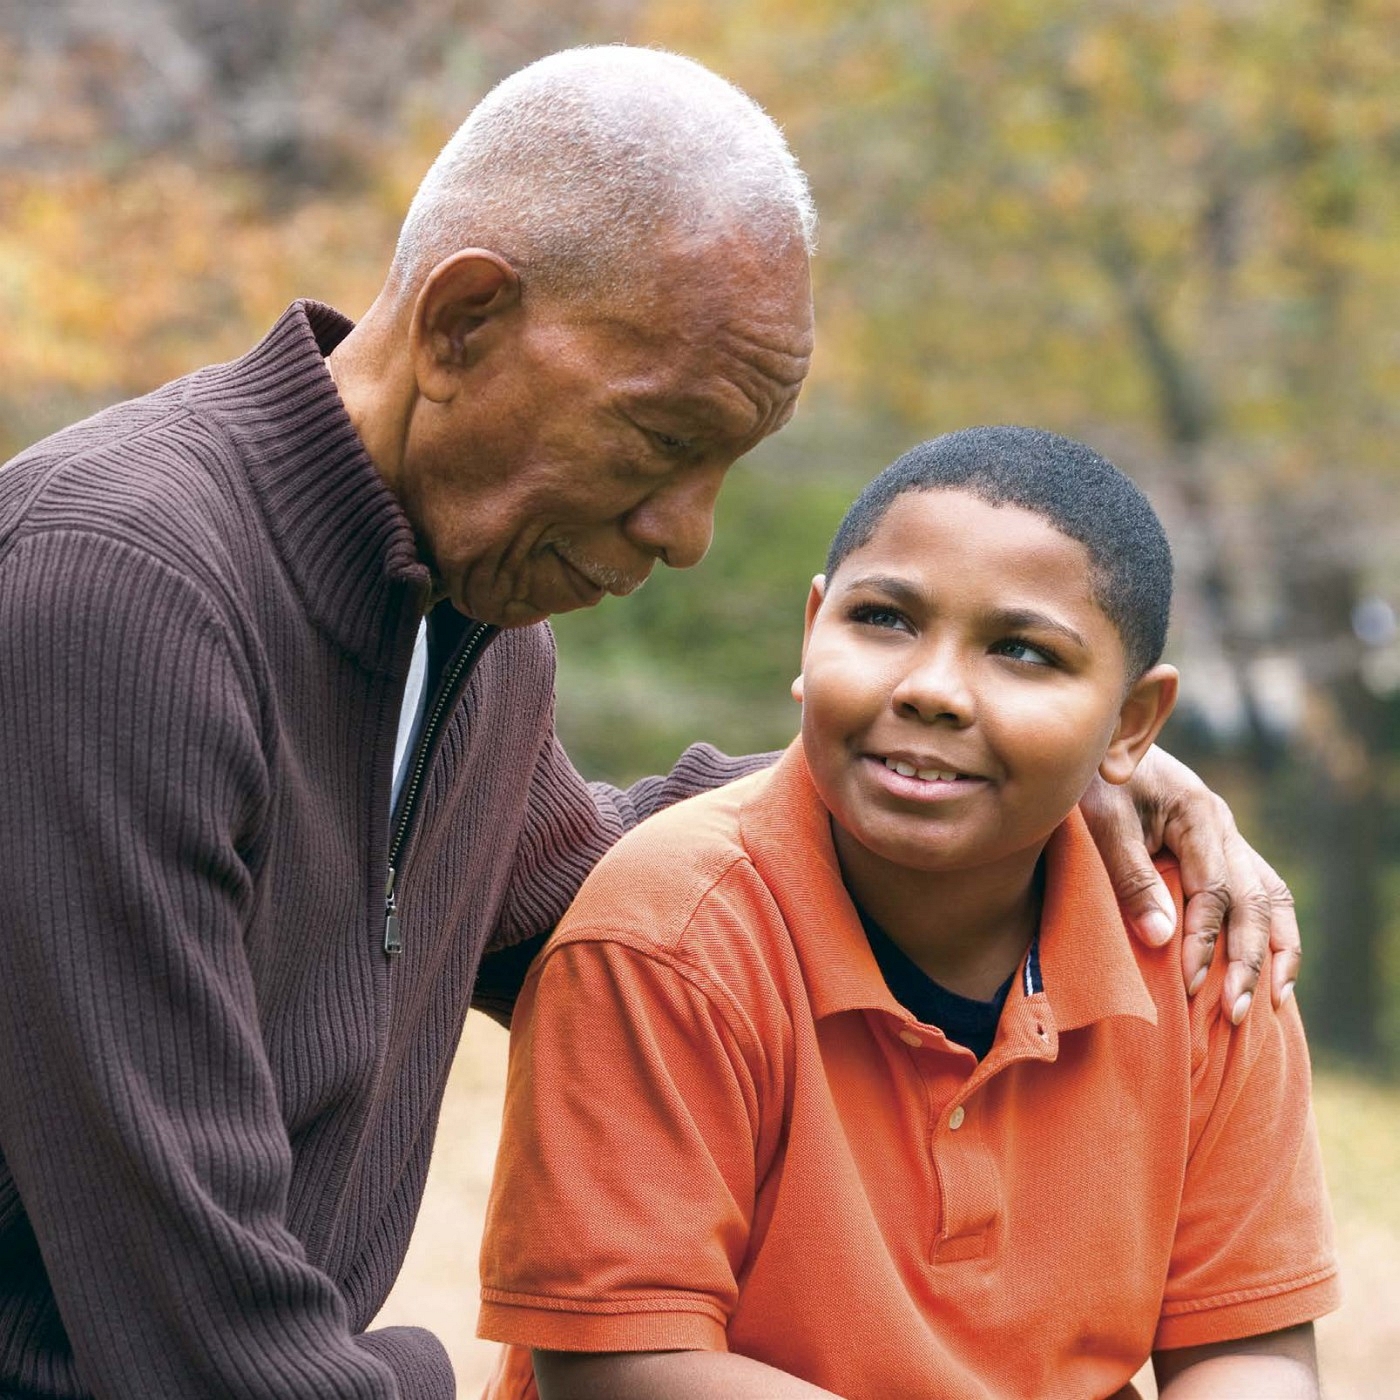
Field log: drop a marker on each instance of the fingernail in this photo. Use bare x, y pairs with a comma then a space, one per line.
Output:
1159, 926
1197, 982
1286, 992
1241, 1008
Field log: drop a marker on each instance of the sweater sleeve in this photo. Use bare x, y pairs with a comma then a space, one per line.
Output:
569, 824
139, 1115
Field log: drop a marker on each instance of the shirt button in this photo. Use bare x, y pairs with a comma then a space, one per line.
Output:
909, 1038
955, 1118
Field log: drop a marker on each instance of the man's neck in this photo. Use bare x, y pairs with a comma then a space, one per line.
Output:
967, 929
375, 384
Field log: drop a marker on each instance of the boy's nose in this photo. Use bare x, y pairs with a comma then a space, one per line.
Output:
936, 689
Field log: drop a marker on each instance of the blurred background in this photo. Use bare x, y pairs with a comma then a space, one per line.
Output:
1171, 229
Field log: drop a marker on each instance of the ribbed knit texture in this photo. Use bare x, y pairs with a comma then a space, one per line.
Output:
217, 1093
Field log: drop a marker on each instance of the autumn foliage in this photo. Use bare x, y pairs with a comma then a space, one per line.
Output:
1172, 229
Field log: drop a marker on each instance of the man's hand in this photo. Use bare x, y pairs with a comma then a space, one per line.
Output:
1227, 884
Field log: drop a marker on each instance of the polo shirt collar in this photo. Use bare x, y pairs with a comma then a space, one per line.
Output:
340, 532
1088, 969
1088, 963
787, 833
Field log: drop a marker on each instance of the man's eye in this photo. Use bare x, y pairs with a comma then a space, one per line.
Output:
667, 443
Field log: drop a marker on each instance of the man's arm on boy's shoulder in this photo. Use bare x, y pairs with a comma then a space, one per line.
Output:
569, 824
665, 1375
1281, 1365
1229, 887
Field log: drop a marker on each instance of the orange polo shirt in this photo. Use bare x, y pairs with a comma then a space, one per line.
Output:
722, 1132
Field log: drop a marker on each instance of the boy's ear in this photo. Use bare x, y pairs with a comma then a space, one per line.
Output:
1145, 710
814, 601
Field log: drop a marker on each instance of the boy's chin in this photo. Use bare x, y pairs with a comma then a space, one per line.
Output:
879, 851
873, 846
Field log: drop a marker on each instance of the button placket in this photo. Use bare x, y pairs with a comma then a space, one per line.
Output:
969, 1187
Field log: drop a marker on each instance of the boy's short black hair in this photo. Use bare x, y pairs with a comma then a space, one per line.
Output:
1080, 493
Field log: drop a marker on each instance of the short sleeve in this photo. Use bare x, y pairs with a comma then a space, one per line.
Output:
623, 1199
1253, 1250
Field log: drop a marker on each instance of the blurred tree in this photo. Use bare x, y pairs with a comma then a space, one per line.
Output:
1170, 228
1167, 227
172, 175
296, 90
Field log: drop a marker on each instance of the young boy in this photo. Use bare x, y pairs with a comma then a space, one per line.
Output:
844, 1080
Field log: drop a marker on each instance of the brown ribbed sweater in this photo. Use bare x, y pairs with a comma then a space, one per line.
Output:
218, 1092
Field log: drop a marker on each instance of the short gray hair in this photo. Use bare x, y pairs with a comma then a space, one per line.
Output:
574, 167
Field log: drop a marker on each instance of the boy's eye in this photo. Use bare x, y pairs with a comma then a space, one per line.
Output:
874, 615
1019, 650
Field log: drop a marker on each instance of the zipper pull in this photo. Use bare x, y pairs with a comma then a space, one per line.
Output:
393, 939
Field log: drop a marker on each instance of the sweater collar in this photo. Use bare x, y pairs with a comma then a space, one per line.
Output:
1088, 963
340, 532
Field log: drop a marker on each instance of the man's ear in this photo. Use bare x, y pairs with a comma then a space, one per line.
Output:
815, 594
463, 298
1145, 710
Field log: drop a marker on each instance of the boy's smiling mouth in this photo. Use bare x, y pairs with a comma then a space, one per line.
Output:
924, 774
910, 775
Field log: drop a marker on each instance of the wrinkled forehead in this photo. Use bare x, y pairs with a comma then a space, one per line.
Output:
753, 306
723, 272
717, 323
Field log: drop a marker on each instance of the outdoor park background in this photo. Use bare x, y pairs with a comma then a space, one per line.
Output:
1169, 228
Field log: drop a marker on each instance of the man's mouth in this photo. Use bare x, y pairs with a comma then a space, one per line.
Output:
599, 577
582, 584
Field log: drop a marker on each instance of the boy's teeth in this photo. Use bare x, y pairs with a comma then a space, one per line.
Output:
929, 775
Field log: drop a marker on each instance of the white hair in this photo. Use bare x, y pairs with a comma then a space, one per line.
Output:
575, 167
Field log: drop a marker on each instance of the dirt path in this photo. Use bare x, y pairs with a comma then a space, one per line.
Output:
1360, 1124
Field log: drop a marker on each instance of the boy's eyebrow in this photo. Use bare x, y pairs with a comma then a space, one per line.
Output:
897, 588
1028, 619
1012, 619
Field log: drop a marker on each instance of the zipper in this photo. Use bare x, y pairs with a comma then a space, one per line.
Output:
393, 939
457, 669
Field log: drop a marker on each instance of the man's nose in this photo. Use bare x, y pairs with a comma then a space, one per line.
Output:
676, 522
937, 687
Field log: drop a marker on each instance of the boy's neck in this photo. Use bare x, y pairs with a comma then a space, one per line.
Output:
967, 929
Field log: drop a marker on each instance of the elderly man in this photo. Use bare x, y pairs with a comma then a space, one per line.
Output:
276, 738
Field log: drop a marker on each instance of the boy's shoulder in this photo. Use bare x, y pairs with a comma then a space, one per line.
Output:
679, 877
